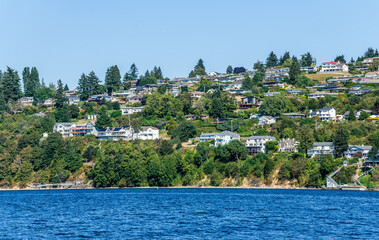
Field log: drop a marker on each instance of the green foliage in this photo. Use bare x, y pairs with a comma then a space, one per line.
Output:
229, 69
273, 105
184, 131
112, 79
199, 69
103, 119
88, 85
162, 106
341, 139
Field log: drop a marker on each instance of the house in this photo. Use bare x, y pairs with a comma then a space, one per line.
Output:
356, 113
226, 137
236, 85
372, 75
321, 148
64, 128
70, 92
249, 102
271, 94
325, 114
360, 91
372, 161
294, 115
309, 69
73, 99
266, 120
147, 133
288, 145
83, 129
334, 67
257, 144
99, 97
220, 138
357, 151
26, 101
197, 95
130, 110
343, 79
369, 61
49, 102
318, 95
294, 91
115, 134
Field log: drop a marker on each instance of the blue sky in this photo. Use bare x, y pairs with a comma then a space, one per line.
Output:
66, 38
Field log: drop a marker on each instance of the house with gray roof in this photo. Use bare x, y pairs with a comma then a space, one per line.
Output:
321, 148
222, 138
257, 144
359, 151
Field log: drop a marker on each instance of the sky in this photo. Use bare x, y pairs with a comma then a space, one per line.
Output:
64, 39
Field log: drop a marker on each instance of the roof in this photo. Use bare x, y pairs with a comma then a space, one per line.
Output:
66, 124
266, 117
147, 127
326, 109
323, 144
361, 147
259, 137
229, 133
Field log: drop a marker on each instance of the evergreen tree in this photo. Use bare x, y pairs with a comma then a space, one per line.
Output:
11, 85
260, 68
66, 87
199, 69
351, 116
340, 58
341, 139
2, 99
285, 56
272, 60
133, 72
103, 118
306, 60
294, 70
60, 98
376, 53
229, 70
34, 79
112, 79
157, 72
370, 53
26, 81
247, 83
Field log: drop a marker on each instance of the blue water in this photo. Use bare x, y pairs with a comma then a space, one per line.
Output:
188, 214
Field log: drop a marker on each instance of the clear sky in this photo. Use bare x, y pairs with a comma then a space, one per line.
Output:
66, 38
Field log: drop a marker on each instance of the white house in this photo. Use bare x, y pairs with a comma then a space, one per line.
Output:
74, 99
266, 120
220, 138
309, 69
147, 133
130, 110
357, 151
256, 144
334, 67
321, 148
325, 114
26, 101
64, 128
226, 137
288, 145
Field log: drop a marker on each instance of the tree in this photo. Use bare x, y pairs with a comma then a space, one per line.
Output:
272, 146
273, 105
112, 79
184, 131
133, 72
306, 60
260, 68
66, 87
60, 98
374, 66
28, 86
340, 58
157, 72
351, 116
239, 70
305, 138
294, 70
272, 60
247, 83
370, 53
11, 85
186, 100
341, 139
103, 119
364, 115
285, 56
229, 69
199, 69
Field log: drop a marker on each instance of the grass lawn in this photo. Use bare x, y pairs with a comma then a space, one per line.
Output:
322, 77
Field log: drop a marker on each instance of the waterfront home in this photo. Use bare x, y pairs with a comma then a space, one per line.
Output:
257, 144
294, 115
25, 101
130, 110
73, 99
146, 133
115, 134
266, 120
334, 67
309, 69
288, 145
271, 94
82, 129
321, 148
359, 151
219, 138
294, 91
325, 114
249, 102
64, 128
372, 161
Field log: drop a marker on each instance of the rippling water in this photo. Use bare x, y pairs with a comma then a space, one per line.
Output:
188, 214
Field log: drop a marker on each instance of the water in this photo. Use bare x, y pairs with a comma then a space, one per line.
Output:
188, 214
